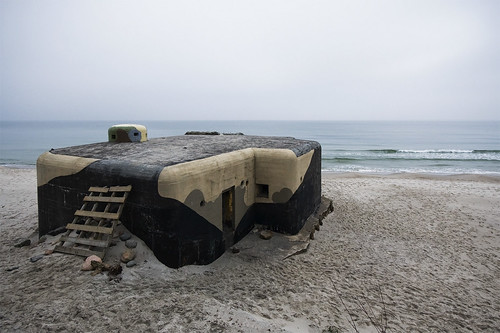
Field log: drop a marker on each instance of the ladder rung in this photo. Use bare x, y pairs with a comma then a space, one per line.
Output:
78, 251
90, 228
127, 188
85, 241
89, 198
100, 215
98, 189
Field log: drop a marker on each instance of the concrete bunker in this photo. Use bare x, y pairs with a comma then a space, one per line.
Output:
193, 196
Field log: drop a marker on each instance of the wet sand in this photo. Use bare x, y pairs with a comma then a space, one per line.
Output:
420, 252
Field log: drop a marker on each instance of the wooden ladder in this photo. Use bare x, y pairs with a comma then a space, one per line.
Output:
93, 225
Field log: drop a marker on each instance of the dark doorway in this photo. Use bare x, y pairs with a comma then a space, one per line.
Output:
228, 217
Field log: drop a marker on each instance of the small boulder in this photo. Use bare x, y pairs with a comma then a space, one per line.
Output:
115, 269
131, 263
127, 256
87, 265
125, 236
266, 234
36, 258
131, 243
23, 242
97, 267
56, 231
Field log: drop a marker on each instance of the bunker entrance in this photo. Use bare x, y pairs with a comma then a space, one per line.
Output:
228, 217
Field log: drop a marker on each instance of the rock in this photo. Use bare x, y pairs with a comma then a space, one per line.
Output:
97, 267
115, 269
202, 133
42, 239
114, 278
266, 234
57, 231
125, 236
87, 265
36, 258
131, 243
11, 269
234, 249
127, 256
48, 252
131, 263
23, 242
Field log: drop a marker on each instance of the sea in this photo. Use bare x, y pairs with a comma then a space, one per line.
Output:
374, 147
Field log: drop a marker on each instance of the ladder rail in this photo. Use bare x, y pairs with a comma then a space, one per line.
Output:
94, 236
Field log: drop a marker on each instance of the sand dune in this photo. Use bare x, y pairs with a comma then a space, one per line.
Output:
423, 251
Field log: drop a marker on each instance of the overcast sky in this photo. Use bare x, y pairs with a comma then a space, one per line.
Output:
197, 60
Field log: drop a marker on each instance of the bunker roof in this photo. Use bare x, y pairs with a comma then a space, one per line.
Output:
184, 148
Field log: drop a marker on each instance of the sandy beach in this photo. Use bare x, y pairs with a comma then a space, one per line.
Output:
414, 253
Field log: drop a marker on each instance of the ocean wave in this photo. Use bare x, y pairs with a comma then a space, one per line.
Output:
341, 159
436, 151
413, 157
386, 151
341, 156
430, 169
430, 151
486, 151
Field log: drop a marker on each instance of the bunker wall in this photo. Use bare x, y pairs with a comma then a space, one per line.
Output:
179, 210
